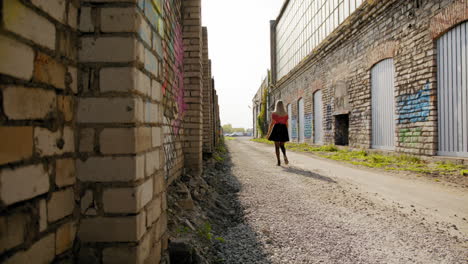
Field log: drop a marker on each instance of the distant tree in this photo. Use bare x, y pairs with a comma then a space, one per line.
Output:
227, 129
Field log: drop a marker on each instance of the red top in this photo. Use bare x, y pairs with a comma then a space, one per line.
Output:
279, 119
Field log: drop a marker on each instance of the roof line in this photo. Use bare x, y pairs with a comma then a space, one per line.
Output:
283, 8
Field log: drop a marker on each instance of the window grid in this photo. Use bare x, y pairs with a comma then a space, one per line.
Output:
304, 25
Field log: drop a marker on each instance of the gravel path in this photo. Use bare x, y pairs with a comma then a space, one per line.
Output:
292, 215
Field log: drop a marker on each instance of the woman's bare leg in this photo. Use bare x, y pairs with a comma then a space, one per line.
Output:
283, 149
277, 148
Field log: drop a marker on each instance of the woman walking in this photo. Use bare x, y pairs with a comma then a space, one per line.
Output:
278, 130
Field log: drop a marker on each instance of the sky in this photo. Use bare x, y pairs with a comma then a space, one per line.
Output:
239, 49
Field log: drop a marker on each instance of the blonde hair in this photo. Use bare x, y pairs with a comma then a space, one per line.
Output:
279, 109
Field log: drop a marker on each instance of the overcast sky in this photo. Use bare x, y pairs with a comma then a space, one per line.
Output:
239, 48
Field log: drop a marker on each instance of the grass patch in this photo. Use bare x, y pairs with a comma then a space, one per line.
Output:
229, 138
376, 160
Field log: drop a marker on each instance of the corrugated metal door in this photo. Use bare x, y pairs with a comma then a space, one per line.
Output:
452, 61
289, 120
301, 119
383, 105
318, 117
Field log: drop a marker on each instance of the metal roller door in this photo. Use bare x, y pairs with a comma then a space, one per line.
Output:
452, 59
300, 107
383, 105
318, 117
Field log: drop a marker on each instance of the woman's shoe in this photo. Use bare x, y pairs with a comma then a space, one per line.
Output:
279, 163
286, 161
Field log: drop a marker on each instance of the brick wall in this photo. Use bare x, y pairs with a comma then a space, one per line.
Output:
98, 103
38, 84
208, 136
193, 80
376, 31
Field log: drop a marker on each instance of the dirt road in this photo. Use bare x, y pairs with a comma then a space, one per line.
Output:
320, 211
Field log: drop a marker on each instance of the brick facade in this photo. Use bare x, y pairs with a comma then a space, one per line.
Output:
100, 109
401, 30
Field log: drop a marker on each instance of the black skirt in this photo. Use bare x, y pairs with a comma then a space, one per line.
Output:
279, 133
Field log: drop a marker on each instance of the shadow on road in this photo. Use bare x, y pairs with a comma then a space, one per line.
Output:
308, 174
241, 243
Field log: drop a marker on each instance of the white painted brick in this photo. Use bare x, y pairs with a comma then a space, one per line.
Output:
86, 20
65, 237
42, 215
143, 139
115, 19
49, 143
17, 58
152, 113
26, 23
143, 83
127, 200
108, 49
120, 79
111, 169
60, 205
12, 230
65, 172
42, 251
28, 103
156, 90
152, 162
109, 110
55, 8
156, 136
112, 229
23, 183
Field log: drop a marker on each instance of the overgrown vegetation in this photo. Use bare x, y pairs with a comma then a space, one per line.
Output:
262, 117
378, 160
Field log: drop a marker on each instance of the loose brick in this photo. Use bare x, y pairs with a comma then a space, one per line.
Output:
109, 110
60, 205
64, 237
12, 230
42, 251
50, 71
118, 141
42, 206
127, 200
66, 107
17, 58
112, 229
12, 183
120, 19
156, 136
111, 169
23, 21
153, 162
16, 143
55, 8
65, 172
50, 143
108, 49
27, 103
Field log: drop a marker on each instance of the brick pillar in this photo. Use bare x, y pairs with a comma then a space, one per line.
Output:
193, 80
38, 80
119, 115
207, 98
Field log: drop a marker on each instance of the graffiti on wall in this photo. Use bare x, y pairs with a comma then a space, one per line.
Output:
341, 99
414, 108
308, 126
294, 127
410, 136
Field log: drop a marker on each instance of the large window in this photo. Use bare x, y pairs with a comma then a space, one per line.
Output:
303, 25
